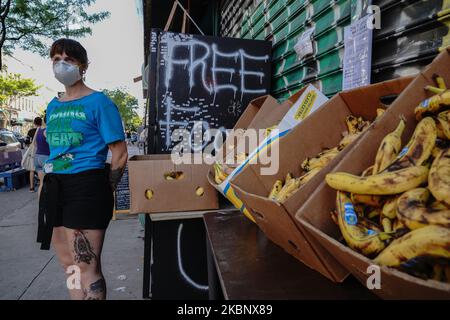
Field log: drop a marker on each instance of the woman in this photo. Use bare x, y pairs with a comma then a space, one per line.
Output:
31, 144
76, 201
42, 153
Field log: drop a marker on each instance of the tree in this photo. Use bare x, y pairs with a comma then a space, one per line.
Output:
30, 24
127, 105
13, 87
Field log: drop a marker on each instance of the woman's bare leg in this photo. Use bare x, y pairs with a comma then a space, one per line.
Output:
31, 180
86, 251
63, 251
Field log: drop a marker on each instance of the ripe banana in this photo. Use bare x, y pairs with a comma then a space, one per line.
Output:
321, 160
440, 81
275, 189
219, 175
309, 175
427, 241
149, 194
444, 121
349, 138
433, 105
199, 191
389, 148
387, 225
390, 208
361, 239
287, 190
352, 124
413, 212
385, 183
380, 112
419, 147
439, 177
288, 177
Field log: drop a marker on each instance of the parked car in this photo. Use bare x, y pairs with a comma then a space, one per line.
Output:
21, 139
8, 141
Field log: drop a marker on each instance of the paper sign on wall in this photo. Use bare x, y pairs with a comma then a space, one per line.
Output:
304, 44
358, 54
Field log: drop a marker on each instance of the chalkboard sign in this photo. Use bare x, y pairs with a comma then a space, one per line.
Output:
122, 193
179, 266
203, 83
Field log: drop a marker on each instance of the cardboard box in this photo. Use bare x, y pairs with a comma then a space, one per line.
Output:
322, 129
147, 172
270, 113
314, 216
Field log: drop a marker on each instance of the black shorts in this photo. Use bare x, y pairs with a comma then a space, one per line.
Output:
86, 200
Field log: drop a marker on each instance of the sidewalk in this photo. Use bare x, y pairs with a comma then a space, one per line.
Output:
26, 272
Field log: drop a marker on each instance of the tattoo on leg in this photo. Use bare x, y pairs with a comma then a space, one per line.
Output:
96, 290
82, 248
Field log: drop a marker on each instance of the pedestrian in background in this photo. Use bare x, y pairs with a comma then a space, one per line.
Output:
76, 202
42, 153
31, 151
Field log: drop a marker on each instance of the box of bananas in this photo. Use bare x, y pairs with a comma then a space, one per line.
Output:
389, 198
305, 155
271, 121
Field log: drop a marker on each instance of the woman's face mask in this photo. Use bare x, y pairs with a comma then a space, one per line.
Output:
66, 73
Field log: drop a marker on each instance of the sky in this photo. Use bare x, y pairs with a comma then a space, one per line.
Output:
115, 51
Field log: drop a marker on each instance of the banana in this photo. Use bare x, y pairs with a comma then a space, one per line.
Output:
439, 177
275, 189
287, 190
427, 241
149, 194
440, 81
368, 199
390, 208
413, 212
349, 138
385, 183
433, 105
439, 130
380, 112
308, 176
419, 147
389, 148
366, 241
374, 213
219, 175
434, 89
199, 191
398, 225
319, 161
444, 122
288, 177
352, 124
387, 225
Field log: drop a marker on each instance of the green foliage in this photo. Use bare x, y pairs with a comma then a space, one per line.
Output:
31, 25
13, 86
127, 105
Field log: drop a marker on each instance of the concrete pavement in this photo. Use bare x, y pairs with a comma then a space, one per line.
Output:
26, 272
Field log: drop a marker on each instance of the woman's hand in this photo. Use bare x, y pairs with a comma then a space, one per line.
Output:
118, 162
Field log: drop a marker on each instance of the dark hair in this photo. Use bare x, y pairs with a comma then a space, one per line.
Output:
37, 121
72, 48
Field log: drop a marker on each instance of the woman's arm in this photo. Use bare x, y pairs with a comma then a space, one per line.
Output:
118, 162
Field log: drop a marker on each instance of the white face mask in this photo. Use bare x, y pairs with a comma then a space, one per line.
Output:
66, 73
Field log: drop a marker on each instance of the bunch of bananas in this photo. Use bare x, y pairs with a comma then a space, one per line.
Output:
398, 210
282, 190
223, 170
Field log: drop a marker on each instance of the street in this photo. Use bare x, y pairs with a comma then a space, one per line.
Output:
26, 272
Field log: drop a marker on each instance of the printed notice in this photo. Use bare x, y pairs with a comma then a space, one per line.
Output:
358, 54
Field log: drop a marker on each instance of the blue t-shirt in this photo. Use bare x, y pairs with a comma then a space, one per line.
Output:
79, 131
